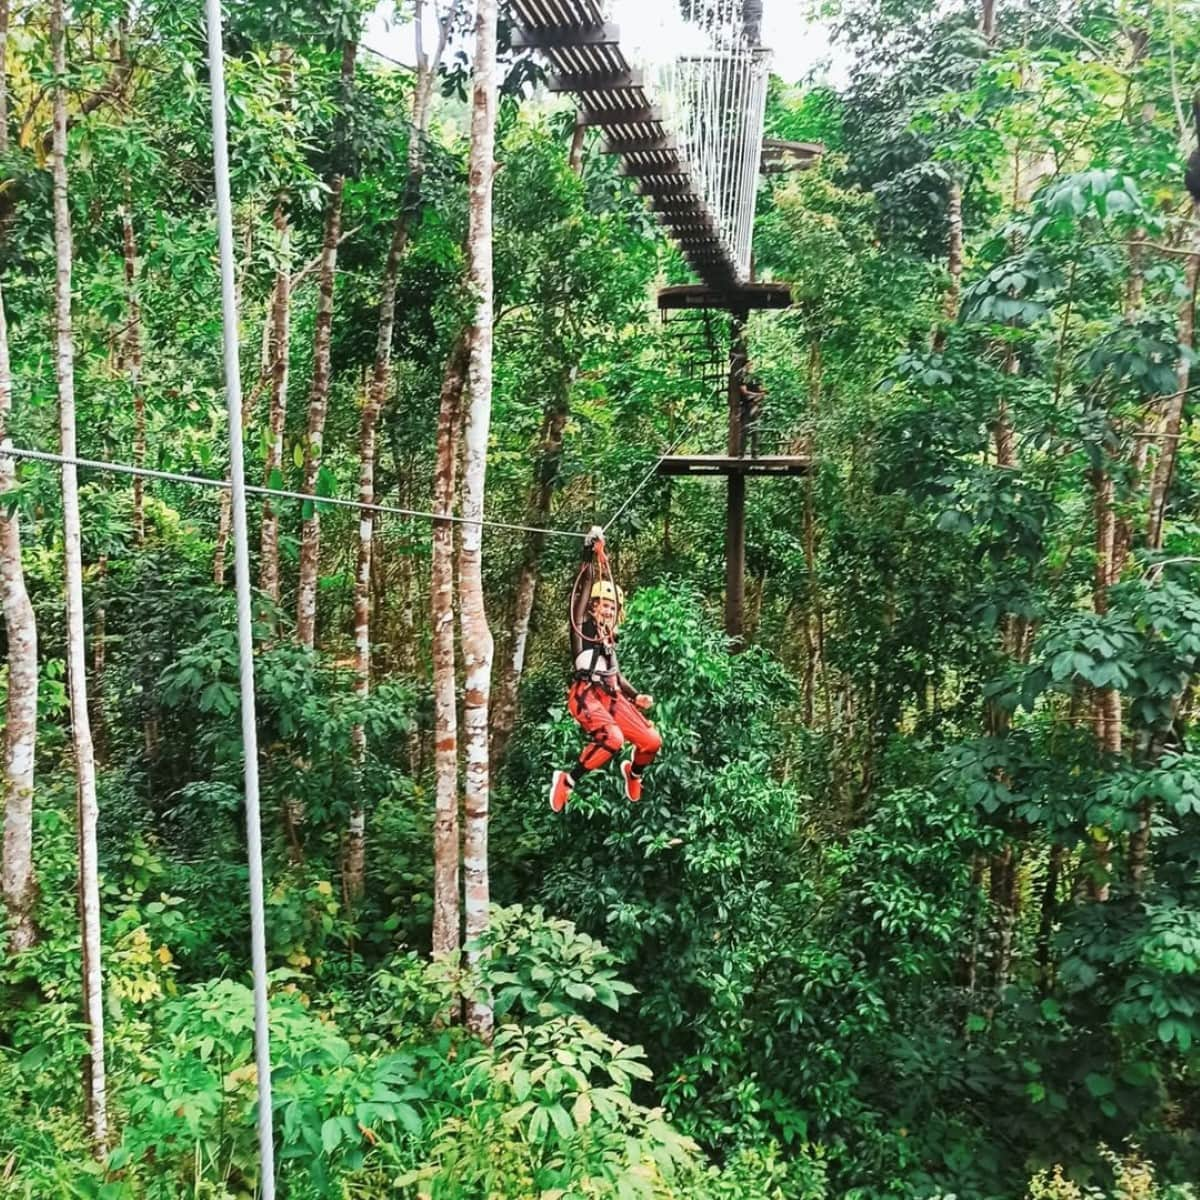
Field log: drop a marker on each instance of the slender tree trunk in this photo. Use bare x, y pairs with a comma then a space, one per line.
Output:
447, 920
354, 863
1003, 894
476, 636
132, 354
88, 812
1164, 469
3, 76
20, 729
987, 20
954, 261
504, 717
224, 528
1046, 921
281, 335
578, 135
968, 965
318, 399
99, 663
1107, 713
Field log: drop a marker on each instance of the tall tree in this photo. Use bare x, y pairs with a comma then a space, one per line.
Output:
476, 636
85, 767
377, 392
279, 341
20, 729
3, 76
447, 919
318, 397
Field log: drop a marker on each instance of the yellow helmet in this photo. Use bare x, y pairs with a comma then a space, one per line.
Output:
605, 589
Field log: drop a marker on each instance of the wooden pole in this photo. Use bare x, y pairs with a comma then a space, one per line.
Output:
735, 507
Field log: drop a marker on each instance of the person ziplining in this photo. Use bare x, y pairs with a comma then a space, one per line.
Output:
605, 705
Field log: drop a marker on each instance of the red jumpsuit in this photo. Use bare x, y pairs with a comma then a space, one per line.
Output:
601, 699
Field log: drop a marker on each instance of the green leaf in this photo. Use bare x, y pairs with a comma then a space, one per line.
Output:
562, 1122
331, 1134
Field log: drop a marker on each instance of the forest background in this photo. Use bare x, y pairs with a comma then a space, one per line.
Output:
912, 905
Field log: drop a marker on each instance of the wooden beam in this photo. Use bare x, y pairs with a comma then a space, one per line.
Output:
640, 145
639, 170
601, 81
558, 38
673, 184
646, 115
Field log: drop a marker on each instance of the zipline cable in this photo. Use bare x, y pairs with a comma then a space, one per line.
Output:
241, 542
654, 467
120, 468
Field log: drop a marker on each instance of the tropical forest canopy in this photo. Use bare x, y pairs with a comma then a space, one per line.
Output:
911, 904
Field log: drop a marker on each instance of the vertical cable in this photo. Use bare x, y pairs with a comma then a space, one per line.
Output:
233, 395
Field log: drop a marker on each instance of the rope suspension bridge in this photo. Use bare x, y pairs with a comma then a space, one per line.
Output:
689, 132
688, 129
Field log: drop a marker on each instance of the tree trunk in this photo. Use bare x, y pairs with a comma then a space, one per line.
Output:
132, 354
88, 814
3, 76
318, 398
20, 729
281, 334
99, 662
476, 636
987, 20
1164, 469
354, 863
554, 421
224, 527
954, 260
578, 135
1003, 894
447, 921
1046, 921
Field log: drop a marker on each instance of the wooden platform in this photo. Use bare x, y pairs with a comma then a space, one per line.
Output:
724, 464
740, 298
585, 57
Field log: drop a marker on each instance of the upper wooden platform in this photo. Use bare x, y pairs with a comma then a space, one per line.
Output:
739, 298
585, 57
724, 464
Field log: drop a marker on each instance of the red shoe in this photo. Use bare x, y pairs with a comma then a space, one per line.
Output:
560, 790
633, 783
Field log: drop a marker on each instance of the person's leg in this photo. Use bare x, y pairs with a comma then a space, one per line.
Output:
638, 731
591, 709
645, 740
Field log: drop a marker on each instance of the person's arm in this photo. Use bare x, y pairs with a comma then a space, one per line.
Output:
583, 592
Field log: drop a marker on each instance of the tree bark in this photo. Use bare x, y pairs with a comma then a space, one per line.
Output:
987, 20
132, 354
20, 730
476, 636
318, 399
281, 335
88, 813
1164, 468
953, 259
3, 76
554, 421
447, 920
1046, 921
